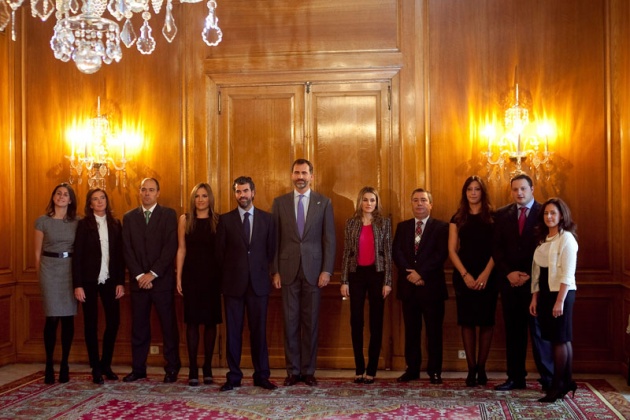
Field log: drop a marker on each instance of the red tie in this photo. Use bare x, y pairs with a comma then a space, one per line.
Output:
416, 242
521, 220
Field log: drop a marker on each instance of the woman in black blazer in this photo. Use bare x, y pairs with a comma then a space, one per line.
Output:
367, 271
98, 269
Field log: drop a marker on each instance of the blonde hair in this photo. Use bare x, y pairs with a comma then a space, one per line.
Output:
191, 216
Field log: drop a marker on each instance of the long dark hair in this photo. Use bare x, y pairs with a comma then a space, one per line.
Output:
89, 211
377, 216
71, 212
566, 223
192, 211
464, 207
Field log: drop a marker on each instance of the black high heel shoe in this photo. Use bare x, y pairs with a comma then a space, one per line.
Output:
482, 378
572, 387
49, 375
552, 396
471, 378
64, 373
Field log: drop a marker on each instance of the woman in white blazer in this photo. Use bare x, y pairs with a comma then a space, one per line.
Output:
553, 290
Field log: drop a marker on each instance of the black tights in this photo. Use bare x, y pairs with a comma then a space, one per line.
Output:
562, 366
469, 337
192, 339
50, 337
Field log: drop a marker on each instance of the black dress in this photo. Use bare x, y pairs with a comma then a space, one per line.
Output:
201, 283
475, 307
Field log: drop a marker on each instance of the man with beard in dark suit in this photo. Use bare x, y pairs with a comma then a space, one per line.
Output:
246, 245
303, 264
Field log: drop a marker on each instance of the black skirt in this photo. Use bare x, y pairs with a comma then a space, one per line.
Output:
560, 329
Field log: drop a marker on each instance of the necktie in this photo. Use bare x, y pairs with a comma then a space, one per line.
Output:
246, 227
300, 215
147, 216
416, 243
521, 220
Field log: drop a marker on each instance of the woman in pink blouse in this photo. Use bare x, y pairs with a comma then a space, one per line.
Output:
367, 271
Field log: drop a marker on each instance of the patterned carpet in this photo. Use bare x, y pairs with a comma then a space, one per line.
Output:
29, 398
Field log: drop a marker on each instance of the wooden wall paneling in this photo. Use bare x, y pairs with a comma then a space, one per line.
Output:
260, 28
260, 134
349, 129
7, 167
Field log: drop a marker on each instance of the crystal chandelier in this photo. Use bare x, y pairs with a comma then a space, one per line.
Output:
91, 150
519, 140
90, 40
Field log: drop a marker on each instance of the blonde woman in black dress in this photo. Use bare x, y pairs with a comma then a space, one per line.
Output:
198, 279
54, 244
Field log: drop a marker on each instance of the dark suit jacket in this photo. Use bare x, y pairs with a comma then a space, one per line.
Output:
316, 249
429, 262
151, 247
86, 259
514, 252
241, 262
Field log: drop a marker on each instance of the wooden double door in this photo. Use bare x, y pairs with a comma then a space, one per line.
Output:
345, 130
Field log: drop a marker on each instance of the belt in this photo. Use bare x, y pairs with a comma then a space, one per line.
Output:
57, 254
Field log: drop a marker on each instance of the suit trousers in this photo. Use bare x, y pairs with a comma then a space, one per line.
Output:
366, 281
433, 313
515, 302
300, 306
111, 307
141, 302
256, 307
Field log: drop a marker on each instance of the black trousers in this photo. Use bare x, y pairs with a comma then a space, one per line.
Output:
235, 308
433, 313
141, 303
366, 281
111, 307
515, 302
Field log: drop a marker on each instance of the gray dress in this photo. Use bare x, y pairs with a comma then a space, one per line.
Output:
55, 274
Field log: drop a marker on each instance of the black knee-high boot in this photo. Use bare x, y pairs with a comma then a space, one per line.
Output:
50, 337
67, 334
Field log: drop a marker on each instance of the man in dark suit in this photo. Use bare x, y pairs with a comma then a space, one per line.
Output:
514, 245
150, 246
419, 250
246, 243
303, 264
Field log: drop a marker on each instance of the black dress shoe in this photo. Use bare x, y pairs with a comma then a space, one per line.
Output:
133, 376
97, 379
406, 377
170, 377
291, 380
435, 378
110, 375
510, 385
359, 379
228, 386
266, 384
64, 374
369, 380
310, 380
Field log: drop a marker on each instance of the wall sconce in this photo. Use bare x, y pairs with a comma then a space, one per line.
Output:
518, 140
92, 148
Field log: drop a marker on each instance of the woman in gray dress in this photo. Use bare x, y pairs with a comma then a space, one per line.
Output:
54, 243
